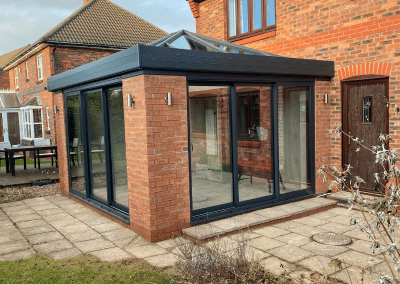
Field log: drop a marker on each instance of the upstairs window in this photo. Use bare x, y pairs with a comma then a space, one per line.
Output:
16, 74
40, 67
249, 17
26, 70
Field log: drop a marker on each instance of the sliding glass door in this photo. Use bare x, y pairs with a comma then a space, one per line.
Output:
97, 154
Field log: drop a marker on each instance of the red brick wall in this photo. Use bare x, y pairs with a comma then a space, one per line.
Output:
157, 155
362, 37
4, 80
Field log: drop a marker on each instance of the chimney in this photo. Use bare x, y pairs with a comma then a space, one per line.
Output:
86, 1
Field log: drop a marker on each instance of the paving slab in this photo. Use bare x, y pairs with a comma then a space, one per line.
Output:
53, 246
336, 227
45, 207
78, 227
364, 247
202, 232
357, 234
11, 204
14, 246
325, 215
354, 275
321, 264
255, 254
294, 239
307, 231
44, 238
66, 253
22, 218
223, 244
7, 236
288, 225
69, 221
47, 212
251, 219
311, 221
342, 219
55, 217
123, 242
82, 236
265, 243
105, 227
247, 235
326, 250
359, 259
290, 253
173, 242
93, 245
6, 223
343, 211
277, 266
162, 261
32, 223
111, 254
228, 225
383, 268
11, 210
3, 216
119, 234
23, 254
146, 251
271, 232
136, 242
20, 212
37, 230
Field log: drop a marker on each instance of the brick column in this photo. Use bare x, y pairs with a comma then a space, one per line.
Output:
59, 119
157, 155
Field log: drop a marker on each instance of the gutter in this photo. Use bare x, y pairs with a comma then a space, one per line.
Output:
54, 59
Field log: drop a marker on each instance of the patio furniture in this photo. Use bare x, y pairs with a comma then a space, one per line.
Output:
52, 154
73, 154
100, 149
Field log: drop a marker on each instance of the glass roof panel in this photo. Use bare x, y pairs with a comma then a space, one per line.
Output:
192, 41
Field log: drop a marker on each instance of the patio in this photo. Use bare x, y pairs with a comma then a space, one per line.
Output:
61, 228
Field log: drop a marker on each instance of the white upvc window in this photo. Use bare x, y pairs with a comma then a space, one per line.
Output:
48, 118
33, 122
16, 79
26, 70
40, 67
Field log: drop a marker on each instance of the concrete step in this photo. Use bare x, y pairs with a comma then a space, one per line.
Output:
259, 218
341, 199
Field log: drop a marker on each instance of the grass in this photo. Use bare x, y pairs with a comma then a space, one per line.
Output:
81, 269
21, 162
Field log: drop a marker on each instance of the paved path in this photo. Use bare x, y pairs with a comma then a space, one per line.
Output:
62, 228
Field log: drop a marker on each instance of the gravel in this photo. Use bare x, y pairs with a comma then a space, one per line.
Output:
11, 194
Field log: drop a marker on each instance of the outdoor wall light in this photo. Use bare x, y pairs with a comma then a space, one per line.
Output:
131, 100
168, 99
56, 109
325, 98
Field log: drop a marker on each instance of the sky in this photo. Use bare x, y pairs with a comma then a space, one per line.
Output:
22, 22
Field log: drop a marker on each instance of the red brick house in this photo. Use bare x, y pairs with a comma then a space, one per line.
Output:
361, 37
99, 28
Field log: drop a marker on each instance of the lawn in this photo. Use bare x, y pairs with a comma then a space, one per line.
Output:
81, 269
21, 162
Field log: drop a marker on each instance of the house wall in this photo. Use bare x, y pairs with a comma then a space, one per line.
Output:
4, 80
362, 37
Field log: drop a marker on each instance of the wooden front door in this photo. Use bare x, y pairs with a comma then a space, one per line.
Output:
366, 116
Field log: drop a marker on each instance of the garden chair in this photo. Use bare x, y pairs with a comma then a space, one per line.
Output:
73, 154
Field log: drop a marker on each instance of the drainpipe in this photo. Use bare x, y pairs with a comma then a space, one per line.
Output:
54, 58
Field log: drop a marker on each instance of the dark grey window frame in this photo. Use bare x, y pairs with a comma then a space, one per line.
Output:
114, 209
237, 207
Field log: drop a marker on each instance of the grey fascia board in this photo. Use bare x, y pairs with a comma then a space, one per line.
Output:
143, 57
124, 61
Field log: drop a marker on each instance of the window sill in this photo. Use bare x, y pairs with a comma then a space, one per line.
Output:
249, 144
254, 36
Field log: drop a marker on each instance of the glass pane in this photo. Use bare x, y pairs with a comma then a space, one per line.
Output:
257, 8
232, 17
1, 128
96, 144
37, 115
244, 16
270, 12
38, 130
367, 110
76, 160
118, 151
13, 128
294, 136
254, 142
210, 146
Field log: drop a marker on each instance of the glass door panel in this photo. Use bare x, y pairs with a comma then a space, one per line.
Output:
210, 146
76, 151
118, 150
13, 128
294, 138
98, 170
255, 163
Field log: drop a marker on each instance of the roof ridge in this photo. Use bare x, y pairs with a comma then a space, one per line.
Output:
67, 20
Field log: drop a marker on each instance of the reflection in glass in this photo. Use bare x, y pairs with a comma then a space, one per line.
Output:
96, 145
254, 142
257, 8
244, 16
1, 128
75, 160
232, 17
118, 151
294, 135
210, 146
271, 12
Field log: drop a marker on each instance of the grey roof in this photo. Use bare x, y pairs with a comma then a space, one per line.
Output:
191, 41
101, 23
5, 58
